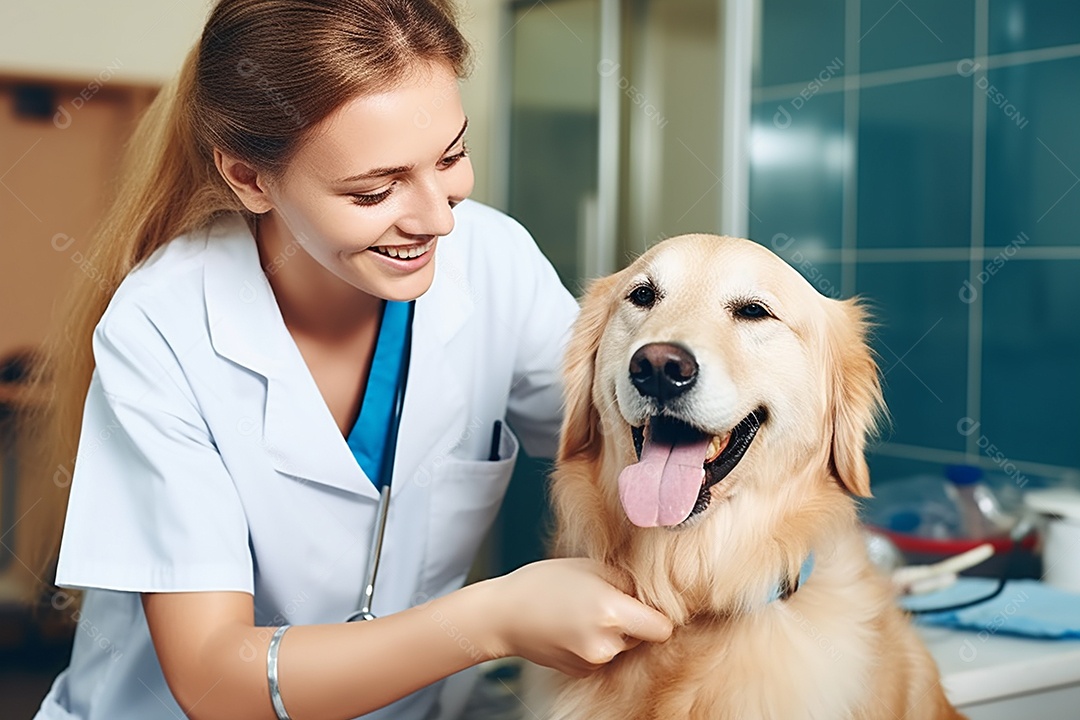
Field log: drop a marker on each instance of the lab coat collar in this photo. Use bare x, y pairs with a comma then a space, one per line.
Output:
299, 432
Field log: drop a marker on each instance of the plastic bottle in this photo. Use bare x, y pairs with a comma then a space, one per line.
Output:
980, 512
917, 505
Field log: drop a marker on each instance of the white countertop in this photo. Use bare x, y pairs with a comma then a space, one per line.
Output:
980, 667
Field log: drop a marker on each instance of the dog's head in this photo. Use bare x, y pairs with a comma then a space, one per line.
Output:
710, 374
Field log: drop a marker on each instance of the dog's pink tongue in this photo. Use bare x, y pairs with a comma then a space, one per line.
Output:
662, 487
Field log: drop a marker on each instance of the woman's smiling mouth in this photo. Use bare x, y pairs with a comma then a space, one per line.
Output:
405, 252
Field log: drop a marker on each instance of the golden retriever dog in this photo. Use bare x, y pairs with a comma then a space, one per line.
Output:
718, 409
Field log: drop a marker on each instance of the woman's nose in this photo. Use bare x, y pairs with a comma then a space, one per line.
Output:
431, 215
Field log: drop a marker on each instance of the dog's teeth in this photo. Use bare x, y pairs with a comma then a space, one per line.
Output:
714, 449
716, 446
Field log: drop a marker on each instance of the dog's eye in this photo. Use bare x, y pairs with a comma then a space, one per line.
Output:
752, 311
643, 296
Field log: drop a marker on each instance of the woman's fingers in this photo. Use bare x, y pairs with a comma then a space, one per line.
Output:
645, 623
563, 613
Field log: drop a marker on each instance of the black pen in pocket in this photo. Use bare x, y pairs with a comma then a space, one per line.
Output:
496, 435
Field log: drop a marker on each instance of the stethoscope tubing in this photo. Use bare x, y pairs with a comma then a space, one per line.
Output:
374, 553
386, 474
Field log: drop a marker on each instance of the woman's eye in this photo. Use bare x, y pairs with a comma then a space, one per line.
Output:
371, 198
452, 160
643, 296
752, 311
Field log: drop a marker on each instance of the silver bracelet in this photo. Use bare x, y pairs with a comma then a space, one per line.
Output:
271, 674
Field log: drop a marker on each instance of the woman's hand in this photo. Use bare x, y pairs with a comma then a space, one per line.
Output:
563, 614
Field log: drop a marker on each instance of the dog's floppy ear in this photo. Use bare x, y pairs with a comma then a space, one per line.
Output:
581, 422
856, 402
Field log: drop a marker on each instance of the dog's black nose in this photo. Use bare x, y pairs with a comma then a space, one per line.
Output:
663, 370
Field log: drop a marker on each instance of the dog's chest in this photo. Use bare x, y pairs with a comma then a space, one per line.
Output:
783, 663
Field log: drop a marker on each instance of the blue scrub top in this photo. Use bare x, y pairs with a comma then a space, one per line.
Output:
367, 439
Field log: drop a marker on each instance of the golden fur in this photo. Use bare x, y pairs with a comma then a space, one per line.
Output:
837, 648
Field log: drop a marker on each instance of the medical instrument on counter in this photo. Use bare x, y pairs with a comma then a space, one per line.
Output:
386, 473
920, 579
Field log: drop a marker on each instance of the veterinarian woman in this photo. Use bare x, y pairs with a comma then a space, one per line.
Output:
302, 183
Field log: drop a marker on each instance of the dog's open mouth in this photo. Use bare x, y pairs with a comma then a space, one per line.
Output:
677, 467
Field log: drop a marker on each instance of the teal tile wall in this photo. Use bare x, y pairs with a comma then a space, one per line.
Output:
1032, 154
921, 130
798, 39
1031, 377
957, 218
1017, 25
825, 277
914, 32
797, 183
921, 346
884, 466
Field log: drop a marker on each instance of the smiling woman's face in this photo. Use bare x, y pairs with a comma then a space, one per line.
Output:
370, 194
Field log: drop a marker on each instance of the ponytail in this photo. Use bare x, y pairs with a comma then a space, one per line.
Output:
165, 190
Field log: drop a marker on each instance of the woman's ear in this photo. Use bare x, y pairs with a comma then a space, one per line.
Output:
580, 429
245, 181
856, 403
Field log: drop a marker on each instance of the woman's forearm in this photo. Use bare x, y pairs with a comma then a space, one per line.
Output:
324, 676
560, 613
344, 670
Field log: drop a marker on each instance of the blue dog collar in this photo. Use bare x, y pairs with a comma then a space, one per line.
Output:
786, 587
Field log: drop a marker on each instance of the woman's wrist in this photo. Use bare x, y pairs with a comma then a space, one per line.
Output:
474, 615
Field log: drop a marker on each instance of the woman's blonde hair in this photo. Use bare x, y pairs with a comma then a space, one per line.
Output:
263, 74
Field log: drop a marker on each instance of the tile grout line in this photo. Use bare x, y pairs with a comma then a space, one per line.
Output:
941, 254
978, 222
929, 71
939, 456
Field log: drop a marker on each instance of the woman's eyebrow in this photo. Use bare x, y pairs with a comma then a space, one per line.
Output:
376, 173
457, 137
387, 171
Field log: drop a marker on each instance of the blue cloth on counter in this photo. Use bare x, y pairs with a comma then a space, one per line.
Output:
1025, 607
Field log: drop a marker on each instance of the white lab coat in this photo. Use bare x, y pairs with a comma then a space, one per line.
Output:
209, 460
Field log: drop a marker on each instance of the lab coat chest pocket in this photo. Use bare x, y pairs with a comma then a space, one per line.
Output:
465, 498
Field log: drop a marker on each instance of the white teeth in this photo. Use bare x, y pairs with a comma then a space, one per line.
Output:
716, 446
405, 251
